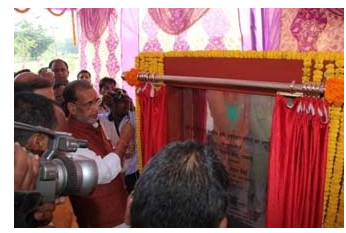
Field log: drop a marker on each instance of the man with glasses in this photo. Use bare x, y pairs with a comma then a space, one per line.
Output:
106, 206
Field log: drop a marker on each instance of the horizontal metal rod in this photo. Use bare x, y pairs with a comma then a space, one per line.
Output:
276, 86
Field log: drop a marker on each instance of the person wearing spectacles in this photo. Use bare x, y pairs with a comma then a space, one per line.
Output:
83, 105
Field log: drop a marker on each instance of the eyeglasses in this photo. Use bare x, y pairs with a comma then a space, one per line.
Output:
90, 104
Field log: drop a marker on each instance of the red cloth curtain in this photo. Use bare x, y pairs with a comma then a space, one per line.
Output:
297, 163
153, 121
193, 110
94, 22
200, 113
176, 20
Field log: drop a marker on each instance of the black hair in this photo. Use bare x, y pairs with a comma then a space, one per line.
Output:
21, 71
41, 70
22, 87
55, 60
83, 71
33, 83
32, 109
70, 92
105, 80
184, 185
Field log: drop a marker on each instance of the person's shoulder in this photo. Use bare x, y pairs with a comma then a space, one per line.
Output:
103, 116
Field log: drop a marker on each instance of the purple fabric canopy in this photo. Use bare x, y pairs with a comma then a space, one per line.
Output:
176, 20
94, 21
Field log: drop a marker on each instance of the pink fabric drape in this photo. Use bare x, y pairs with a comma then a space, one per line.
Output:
83, 63
94, 22
112, 42
337, 11
307, 26
297, 163
176, 20
129, 37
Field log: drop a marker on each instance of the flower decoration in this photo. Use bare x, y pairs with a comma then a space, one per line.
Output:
131, 77
335, 91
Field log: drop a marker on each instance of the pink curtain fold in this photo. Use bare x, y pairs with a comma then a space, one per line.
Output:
176, 20
307, 26
83, 62
129, 37
112, 42
94, 22
337, 11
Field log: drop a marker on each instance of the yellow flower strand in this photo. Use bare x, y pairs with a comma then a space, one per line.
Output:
317, 74
337, 178
138, 134
339, 170
332, 136
340, 217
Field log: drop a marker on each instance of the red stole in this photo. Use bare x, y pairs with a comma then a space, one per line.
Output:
105, 207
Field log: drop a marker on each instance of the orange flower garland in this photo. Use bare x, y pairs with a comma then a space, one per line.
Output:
335, 91
131, 77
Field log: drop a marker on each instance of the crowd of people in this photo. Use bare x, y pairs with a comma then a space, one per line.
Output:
184, 185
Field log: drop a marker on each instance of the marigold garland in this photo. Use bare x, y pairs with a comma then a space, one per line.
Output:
333, 195
334, 93
317, 74
138, 135
335, 159
131, 77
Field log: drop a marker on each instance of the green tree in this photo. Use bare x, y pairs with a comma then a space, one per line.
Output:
29, 40
67, 46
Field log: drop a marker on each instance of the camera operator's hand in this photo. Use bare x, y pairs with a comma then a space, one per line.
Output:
126, 135
25, 169
130, 149
25, 176
127, 132
44, 214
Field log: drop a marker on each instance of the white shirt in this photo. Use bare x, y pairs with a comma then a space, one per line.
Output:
131, 164
108, 167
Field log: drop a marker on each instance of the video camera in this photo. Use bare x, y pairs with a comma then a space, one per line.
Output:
59, 175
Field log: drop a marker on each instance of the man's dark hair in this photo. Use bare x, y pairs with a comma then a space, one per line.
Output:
83, 71
55, 60
22, 87
184, 185
21, 71
32, 109
41, 70
33, 84
70, 92
105, 80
